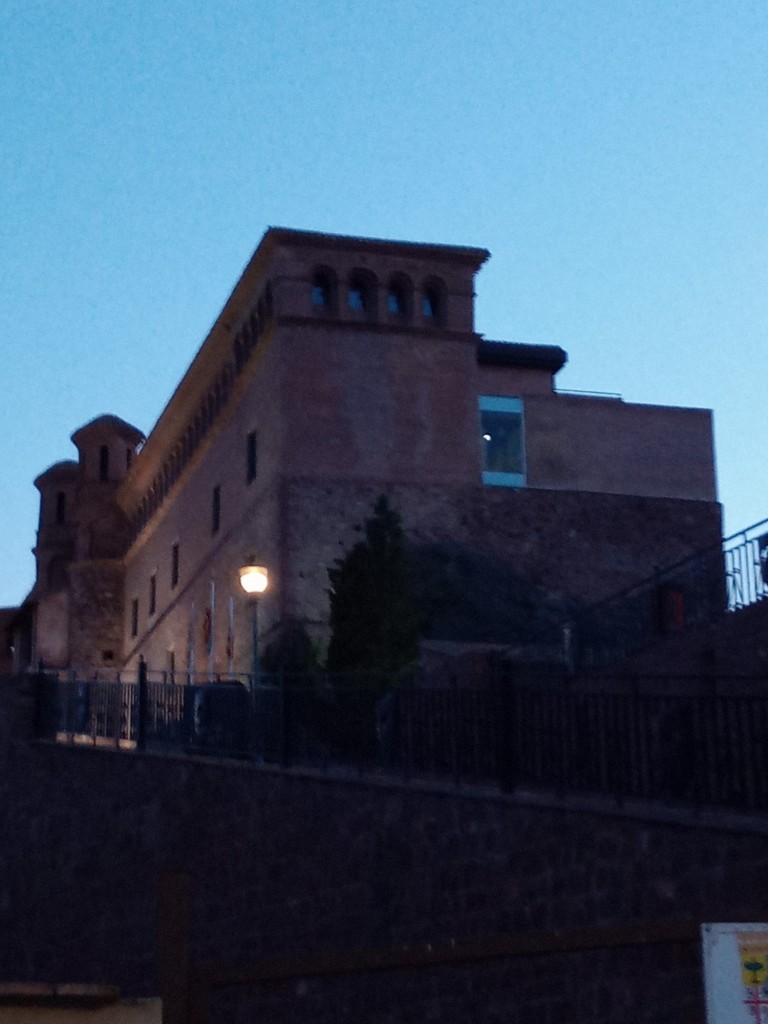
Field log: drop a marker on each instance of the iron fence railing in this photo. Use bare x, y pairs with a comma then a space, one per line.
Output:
699, 589
704, 748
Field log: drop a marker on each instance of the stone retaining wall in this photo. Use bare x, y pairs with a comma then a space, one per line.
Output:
286, 864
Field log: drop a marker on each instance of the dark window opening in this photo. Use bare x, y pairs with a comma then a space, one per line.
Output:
128, 458
61, 507
321, 295
324, 289
107, 655
152, 594
104, 463
395, 302
356, 298
430, 304
135, 617
216, 510
174, 565
250, 457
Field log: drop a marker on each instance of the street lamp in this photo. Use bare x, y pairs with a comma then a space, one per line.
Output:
254, 580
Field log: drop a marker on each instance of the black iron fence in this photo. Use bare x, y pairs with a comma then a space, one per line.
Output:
146, 713
705, 749
699, 589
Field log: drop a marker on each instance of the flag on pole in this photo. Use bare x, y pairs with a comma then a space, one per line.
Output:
191, 642
212, 629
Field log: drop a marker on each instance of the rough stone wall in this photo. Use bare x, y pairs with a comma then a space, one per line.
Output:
284, 863
53, 611
96, 612
581, 545
733, 650
642, 985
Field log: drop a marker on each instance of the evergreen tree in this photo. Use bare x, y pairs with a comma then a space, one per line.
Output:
375, 621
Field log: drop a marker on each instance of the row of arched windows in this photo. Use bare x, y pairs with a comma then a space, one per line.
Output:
360, 294
214, 401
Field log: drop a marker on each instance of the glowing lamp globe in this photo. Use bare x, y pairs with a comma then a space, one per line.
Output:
254, 579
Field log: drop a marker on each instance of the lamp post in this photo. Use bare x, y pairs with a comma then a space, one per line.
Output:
254, 580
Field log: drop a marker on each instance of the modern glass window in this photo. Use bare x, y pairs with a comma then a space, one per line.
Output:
216, 509
174, 565
250, 457
501, 427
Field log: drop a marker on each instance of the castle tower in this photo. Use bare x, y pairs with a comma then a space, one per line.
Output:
81, 539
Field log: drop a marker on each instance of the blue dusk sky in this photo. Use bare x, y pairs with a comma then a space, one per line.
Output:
612, 155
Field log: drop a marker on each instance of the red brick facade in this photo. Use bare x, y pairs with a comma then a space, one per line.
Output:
340, 369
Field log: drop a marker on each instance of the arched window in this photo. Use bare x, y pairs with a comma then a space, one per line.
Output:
324, 289
361, 293
400, 298
433, 302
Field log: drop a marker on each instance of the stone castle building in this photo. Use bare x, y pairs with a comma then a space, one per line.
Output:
339, 369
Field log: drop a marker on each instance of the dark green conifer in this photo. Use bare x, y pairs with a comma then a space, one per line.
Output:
375, 621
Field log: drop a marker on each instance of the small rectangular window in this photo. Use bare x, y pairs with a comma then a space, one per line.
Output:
216, 510
501, 427
104, 463
152, 593
174, 565
250, 457
135, 617
61, 507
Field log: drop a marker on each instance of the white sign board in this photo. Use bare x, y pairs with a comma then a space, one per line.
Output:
736, 973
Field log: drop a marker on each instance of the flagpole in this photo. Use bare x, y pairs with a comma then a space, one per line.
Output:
212, 639
230, 636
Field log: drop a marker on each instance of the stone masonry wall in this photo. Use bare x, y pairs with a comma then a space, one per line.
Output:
578, 544
96, 612
287, 863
